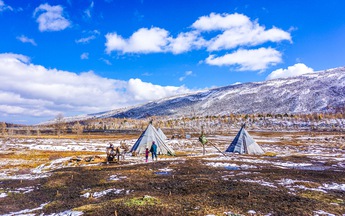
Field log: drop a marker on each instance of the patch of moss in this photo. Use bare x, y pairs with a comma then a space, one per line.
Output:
53, 205
142, 201
321, 197
88, 208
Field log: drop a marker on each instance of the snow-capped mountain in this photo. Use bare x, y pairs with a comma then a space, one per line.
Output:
314, 92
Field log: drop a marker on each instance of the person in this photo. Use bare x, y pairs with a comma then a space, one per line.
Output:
147, 154
118, 153
153, 150
110, 153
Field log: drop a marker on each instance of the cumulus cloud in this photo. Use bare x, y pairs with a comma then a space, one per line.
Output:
4, 7
30, 90
25, 39
144, 40
251, 35
256, 59
51, 18
237, 30
140, 90
220, 22
295, 70
185, 42
154, 40
230, 31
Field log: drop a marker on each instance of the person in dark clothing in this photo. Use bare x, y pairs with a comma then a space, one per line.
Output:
147, 154
153, 150
110, 153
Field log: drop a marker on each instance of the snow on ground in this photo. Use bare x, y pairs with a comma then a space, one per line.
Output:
246, 159
323, 213
116, 177
26, 212
261, 182
67, 213
18, 190
6, 175
103, 193
62, 144
293, 185
230, 166
316, 149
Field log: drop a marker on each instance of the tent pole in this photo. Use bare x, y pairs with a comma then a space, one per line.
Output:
217, 149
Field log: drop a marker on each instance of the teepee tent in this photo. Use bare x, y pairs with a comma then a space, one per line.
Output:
160, 132
244, 144
145, 141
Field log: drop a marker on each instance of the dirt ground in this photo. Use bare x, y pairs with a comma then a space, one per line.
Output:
299, 175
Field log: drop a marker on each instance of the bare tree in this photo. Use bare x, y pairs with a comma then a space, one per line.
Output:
38, 132
78, 129
60, 124
3, 128
28, 131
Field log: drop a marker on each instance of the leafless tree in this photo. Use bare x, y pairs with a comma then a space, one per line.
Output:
3, 128
78, 129
60, 124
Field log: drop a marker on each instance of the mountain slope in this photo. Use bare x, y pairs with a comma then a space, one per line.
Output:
315, 92
308, 93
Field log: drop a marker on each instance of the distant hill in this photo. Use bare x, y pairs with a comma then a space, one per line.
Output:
316, 92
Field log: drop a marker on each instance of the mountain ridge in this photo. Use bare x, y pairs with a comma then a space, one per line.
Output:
314, 92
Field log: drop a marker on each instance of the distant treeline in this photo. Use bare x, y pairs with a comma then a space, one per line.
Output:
186, 124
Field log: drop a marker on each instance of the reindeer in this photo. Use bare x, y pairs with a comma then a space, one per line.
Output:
118, 151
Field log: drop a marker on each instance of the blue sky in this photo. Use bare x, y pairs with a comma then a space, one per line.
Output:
85, 56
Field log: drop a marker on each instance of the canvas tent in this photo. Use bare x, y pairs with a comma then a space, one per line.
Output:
145, 141
244, 144
160, 132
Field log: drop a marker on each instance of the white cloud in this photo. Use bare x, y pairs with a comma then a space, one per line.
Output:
238, 30
51, 18
92, 35
89, 10
220, 22
142, 91
253, 60
187, 73
33, 91
295, 70
25, 39
4, 7
144, 40
106, 61
186, 42
233, 31
84, 55
86, 39
247, 36
154, 40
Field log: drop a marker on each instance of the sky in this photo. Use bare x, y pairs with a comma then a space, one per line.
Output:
74, 57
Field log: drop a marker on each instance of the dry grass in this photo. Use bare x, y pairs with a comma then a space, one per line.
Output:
191, 188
